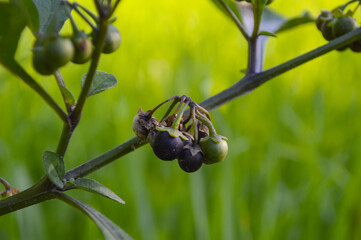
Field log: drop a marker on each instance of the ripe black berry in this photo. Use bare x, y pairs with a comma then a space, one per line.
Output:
190, 161
167, 147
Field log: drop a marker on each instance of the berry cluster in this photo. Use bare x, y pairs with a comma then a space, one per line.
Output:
335, 24
51, 51
187, 136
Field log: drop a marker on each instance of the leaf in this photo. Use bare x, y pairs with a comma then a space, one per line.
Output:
51, 14
265, 33
95, 187
101, 82
295, 22
69, 97
54, 167
30, 12
11, 26
258, 6
110, 230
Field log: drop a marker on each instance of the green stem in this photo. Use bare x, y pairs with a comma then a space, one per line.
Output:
177, 121
64, 140
16, 69
235, 19
32, 196
38, 193
100, 36
75, 7
114, 7
105, 158
212, 130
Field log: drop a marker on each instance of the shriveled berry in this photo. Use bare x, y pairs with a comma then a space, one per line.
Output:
144, 123
323, 17
167, 147
190, 161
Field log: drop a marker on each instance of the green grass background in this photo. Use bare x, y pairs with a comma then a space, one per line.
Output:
293, 169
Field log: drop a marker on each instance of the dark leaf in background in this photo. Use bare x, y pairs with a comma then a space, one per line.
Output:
30, 12
11, 26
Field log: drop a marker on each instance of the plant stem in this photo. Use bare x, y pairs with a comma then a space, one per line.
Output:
43, 190
235, 19
64, 140
38, 193
16, 69
105, 158
254, 63
100, 36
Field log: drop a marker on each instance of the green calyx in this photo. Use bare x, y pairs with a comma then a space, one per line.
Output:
173, 132
215, 138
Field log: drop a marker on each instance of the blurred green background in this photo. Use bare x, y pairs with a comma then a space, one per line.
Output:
293, 170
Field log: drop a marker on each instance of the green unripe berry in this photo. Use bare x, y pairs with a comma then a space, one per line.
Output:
40, 63
112, 40
214, 148
343, 25
83, 47
58, 51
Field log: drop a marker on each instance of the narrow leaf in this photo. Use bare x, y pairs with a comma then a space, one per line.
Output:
54, 167
95, 187
269, 34
110, 230
52, 14
69, 97
101, 82
30, 12
295, 22
11, 26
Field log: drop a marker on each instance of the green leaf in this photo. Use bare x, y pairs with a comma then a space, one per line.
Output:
11, 26
258, 6
69, 97
265, 33
295, 22
52, 14
101, 82
30, 12
110, 230
95, 187
54, 167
